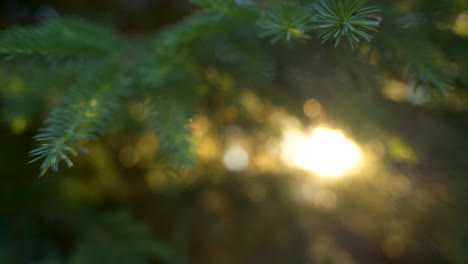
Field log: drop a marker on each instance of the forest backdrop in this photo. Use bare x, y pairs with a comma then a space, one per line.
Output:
234, 131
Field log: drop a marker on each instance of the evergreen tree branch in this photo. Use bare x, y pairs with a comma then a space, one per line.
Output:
338, 19
82, 115
187, 34
287, 20
26, 84
416, 61
172, 85
330, 19
171, 119
59, 38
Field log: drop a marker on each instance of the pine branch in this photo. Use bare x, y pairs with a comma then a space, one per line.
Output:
416, 60
172, 121
59, 38
172, 74
330, 19
164, 68
172, 89
187, 35
337, 19
286, 21
246, 60
82, 115
26, 84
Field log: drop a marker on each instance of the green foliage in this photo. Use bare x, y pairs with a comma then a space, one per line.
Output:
330, 19
186, 33
173, 124
212, 67
169, 67
26, 84
59, 38
418, 62
286, 21
337, 19
116, 238
82, 115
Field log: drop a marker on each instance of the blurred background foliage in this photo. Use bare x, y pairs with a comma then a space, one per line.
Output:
245, 198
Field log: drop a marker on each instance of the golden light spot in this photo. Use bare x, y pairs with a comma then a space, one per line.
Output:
236, 158
289, 123
273, 146
275, 117
252, 104
364, 50
206, 144
18, 125
292, 139
94, 103
296, 33
400, 151
374, 58
200, 126
405, 6
91, 112
312, 108
395, 90
460, 26
208, 148
325, 152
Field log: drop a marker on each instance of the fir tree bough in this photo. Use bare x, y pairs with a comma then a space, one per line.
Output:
348, 19
59, 38
81, 116
110, 70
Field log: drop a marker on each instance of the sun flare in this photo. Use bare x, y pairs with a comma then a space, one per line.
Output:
325, 152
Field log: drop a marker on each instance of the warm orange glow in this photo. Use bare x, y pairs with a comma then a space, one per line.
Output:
325, 151
460, 26
312, 108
